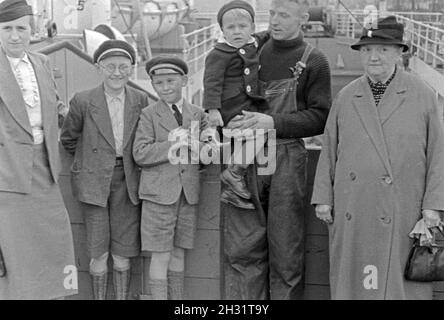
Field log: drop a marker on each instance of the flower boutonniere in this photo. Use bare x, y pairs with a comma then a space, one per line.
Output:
297, 69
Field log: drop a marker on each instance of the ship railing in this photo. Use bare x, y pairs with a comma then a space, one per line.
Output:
350, 25
426, 17
427, 42
427, 51
197, 44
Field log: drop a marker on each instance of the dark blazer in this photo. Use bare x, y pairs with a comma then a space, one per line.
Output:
16, 139
161, 181
88, 135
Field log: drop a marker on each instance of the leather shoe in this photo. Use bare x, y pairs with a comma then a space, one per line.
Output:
236, 182
228, 196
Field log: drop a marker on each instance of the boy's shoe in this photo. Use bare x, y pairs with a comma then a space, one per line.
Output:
228, 196
233, 177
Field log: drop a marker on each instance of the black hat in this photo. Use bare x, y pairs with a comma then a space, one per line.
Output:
235, 4
112, 48
388, 31
166, 64
13, 9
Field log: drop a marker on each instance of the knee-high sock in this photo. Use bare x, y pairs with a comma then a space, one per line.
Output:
158, 289
121, 281
175, 285
99, 285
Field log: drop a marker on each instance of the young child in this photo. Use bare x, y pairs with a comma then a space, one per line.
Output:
231, 85
170, 192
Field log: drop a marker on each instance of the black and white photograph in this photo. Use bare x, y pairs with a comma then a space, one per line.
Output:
233, 152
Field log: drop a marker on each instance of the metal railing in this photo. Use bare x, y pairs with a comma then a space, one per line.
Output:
197, 44
427, 42
426, 17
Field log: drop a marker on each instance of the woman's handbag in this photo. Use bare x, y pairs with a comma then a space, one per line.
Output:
425, 263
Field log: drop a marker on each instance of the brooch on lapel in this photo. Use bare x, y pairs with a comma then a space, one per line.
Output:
298, 69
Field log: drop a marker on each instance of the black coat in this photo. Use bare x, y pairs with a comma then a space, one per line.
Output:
231, 79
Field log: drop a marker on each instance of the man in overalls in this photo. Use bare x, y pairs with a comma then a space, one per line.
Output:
264, 248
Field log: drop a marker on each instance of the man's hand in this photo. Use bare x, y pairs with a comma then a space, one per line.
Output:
215, 118
251, 120
432, 218
323, 212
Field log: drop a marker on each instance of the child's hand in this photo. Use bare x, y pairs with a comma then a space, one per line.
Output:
215, 119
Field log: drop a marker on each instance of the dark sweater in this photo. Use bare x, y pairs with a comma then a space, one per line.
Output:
314, 90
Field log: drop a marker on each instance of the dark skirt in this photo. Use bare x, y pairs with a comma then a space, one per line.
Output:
36, 239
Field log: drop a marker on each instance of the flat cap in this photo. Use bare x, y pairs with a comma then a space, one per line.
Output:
235, 4
112, 48
14, 9
166, 64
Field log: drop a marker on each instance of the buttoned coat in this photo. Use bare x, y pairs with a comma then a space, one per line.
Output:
161, 180
16, 139
87, 134
379, 167
231, 78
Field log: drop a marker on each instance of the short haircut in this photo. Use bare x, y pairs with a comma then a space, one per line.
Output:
303, 4
239, 13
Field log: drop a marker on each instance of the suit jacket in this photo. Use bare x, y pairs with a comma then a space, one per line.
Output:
16, 139
88, 135
161, 181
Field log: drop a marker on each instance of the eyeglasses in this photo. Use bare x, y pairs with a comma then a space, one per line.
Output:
111, 68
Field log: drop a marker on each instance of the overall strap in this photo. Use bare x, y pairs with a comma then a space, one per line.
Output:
308, 49
301, 64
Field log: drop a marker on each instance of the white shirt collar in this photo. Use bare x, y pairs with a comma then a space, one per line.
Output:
15, 61
179, 105
120, 96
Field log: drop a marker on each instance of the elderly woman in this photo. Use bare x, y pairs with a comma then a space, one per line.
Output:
35, 233
381, 167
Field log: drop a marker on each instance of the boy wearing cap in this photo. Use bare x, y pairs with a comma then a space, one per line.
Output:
99, 131
170, 192
231, 86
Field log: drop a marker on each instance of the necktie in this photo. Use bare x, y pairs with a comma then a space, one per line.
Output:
177, 115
